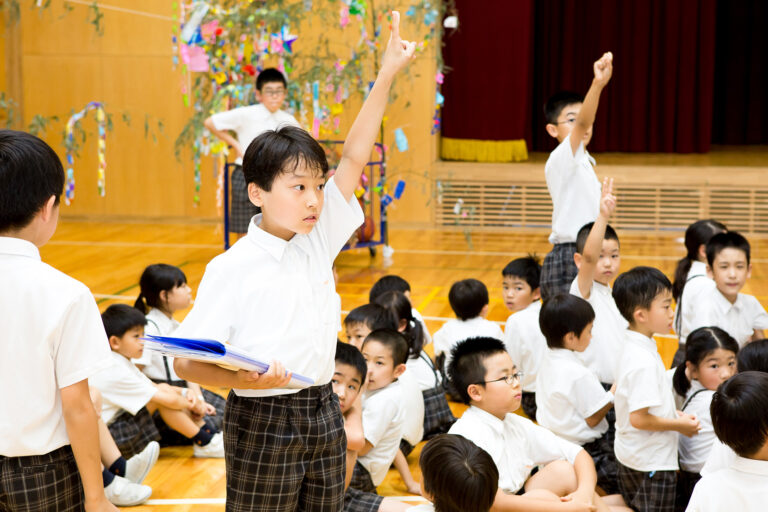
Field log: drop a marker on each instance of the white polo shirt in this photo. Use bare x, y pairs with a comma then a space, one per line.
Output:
567, 393
123, 388
456, 330
739, 319
383, 419
574, 189
157, 325
720, 457
694, 451
641, 383
423, 370
516, 444
525, 343
275, 298
604, 350
696, 282
413, 407
52, 337
250, 122
742, 487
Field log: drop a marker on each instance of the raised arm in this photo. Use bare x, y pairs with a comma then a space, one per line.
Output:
225, 136
586, 118
591, 253
362, 134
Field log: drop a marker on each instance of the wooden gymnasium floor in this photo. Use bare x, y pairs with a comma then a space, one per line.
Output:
109, 258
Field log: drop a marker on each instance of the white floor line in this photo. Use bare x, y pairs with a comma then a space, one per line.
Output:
222, 501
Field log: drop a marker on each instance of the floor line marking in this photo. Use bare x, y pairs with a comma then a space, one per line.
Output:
136, 244
431, 295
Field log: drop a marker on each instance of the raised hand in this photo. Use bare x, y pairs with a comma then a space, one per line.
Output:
399, 52
607, 200
604, 68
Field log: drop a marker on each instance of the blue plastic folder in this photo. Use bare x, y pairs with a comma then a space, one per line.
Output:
212, 351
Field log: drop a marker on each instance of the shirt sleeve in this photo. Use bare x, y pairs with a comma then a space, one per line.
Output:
513, 342
126, 390
759, 316
339, 218
643, 389
212, 316
229, 120
563, 158
588, 396
546, 447
81, 349
377, 418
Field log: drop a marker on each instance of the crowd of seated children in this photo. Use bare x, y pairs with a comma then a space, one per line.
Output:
740, 315
522, 335
130, 399
691, 278
362, 320
571, 401
395, 283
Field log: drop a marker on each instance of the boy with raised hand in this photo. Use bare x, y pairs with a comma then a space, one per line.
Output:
272, 294
571, 181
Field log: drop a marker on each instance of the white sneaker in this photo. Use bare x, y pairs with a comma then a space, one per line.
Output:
137, 467
214, 449
124, 493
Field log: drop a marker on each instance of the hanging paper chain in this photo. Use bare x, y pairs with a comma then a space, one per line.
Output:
69, 189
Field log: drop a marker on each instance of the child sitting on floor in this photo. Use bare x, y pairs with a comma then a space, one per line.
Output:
362, 320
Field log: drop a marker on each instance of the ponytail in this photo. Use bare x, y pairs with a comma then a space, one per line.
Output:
400, 310
680, 380
140, 304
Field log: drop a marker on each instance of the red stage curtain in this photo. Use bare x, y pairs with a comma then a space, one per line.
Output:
661, 95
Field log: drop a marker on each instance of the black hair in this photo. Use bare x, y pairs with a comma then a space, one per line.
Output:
386, 284
119, 318
394, 341
399, 308
30, 173
562, 314
753, 357
467, 364
696, 235
155, 279
727, 240
270, 75
637, 288
351, 356
468, 298
557, 102
528, 269
281, 151
459, 475
739, 412
581, 238
373, 316
699, 344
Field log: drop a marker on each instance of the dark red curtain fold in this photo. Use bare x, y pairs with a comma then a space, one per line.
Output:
487, 85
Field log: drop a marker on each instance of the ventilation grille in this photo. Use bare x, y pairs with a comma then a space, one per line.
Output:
499, 205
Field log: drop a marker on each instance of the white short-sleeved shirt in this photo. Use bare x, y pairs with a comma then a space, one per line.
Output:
567, 393
250, 122
275, 298
574, 189
694, 451
603, 351
423, 370
383, 418
413, 408
742, 486
417, 316
739, 319
154, 367
720, 457
516, 444
525, 343
697, 281
52, 337
426, 507
123, 388
456, 330
641, 383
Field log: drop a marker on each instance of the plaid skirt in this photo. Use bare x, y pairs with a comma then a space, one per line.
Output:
601, 451
241, 208
361, 495
558, 270
438, 416
133, 433
41, 483
647, 492
285, 453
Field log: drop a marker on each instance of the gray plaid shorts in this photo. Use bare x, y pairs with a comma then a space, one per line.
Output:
361, 495
648, 491
558, 270
241, 208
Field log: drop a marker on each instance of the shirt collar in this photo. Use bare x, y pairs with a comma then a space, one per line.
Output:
642, 341
489, 419
723, 304
18, 247
273, 245
563, 353
698, 268
602, 289
757, 467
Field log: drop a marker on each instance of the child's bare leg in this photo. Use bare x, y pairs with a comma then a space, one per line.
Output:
351, 460
558, 477
390, 505
109, 450
180, 421
401, 464
542, 494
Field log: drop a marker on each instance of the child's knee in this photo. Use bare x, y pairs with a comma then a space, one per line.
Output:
564, 472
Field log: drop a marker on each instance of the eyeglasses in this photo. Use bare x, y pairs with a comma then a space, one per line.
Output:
509, 379
273, 92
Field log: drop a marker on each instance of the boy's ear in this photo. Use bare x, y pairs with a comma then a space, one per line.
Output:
475, 392
47, 211
577, 259
257, 94
551, 130
255, 194
640, 315
749, 271
114, 342
569, 340
536, 294
399, 370
484, 311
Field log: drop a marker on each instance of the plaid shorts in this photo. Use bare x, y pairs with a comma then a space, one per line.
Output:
438, 417
133, 433
529, 405
361, 495
241, 208
601, 451
41, 482
285, 452
558, 270
647, 492
169, 437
